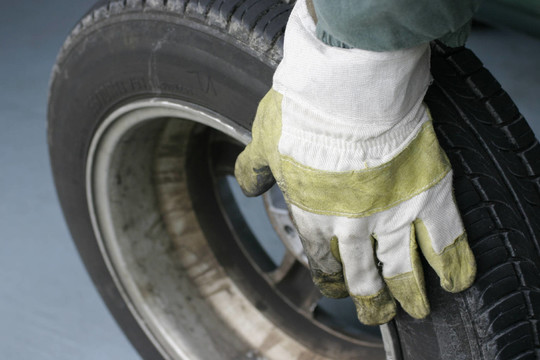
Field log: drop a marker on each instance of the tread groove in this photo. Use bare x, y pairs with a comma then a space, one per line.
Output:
508, 345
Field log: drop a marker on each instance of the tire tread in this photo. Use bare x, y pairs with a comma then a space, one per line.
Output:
256, 23
509, 271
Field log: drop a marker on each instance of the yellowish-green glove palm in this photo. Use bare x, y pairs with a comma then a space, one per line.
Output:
362, 172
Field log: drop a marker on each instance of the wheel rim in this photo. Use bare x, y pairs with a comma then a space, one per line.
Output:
146, 216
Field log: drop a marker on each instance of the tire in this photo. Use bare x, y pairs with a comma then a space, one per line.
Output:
150, 103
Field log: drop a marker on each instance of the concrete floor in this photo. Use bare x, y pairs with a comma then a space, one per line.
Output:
49, 308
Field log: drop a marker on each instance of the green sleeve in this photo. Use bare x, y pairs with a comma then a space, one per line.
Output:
386, 25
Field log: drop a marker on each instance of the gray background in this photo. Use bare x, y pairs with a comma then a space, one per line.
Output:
48, 306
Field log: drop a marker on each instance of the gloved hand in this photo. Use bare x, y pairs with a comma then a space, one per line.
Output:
346, 136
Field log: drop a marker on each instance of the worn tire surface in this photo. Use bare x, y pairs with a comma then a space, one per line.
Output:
121, 49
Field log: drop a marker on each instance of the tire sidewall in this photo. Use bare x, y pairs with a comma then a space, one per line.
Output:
118, 61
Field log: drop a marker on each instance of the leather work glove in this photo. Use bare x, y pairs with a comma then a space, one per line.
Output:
345, 135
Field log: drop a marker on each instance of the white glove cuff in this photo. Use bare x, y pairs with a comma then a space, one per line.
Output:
346, 109
350, 85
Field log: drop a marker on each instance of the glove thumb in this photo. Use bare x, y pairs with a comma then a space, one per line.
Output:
253, 172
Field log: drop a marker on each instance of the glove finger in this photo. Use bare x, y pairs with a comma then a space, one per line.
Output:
443, 240
320, 247
329, 281
402, 269
455, 263
374, 303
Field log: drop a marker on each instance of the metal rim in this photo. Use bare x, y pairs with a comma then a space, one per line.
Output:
136, 244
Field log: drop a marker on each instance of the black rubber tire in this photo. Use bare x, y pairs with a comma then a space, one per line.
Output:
111, 58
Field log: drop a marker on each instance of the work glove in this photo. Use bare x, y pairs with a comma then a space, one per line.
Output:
347, 138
